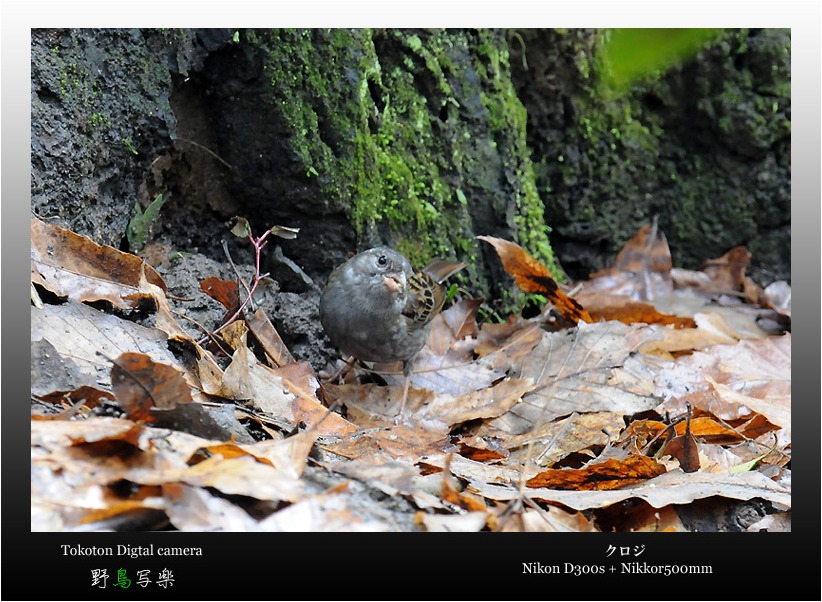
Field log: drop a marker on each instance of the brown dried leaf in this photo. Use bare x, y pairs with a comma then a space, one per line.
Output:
504, 346
141, 385
610, 474
727, 273
90, 338
482, 449
233, 476
195, 509
683, 447
624, 309
89, 396
641, 270
552, 441
329, 512
646, 251
461, 320
390, 477
289, 455
76, 267
674, 487
591, 369
227, 292
300, 379
490, 402
751, 374
776, 408
549, 520
264, 331
533, 277
248, 380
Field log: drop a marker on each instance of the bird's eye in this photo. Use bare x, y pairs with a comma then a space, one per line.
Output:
382, 261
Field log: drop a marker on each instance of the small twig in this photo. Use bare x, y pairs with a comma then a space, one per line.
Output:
258, 244
208, 150
207, 332
234, 267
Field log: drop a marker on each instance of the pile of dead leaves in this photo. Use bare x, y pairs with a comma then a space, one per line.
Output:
644, 389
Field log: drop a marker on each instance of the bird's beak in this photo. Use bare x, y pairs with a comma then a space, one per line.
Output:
395, 282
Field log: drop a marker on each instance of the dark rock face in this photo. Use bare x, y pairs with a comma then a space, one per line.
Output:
706, 146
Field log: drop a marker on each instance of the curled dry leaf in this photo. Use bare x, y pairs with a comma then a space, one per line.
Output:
600, 476
549, 520
727, 273
641, 270
683, 447
227, 292
674, 487
76, 267
533, 277
625, 309
778, 296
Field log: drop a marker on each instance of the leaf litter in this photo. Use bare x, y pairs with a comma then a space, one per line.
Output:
646, 382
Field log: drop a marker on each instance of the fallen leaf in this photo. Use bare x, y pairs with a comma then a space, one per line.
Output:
778, 296
776, 409
334, 512
610, 474
584, 370
459, 321
470, 522
141, 385
391, 477
683, 447
549, 520
300, 380
627, 310
227, 292
641, 270
533, 277
550, 442
482, 449
191, 508
90, 338
490, 402
674, 487
77, 268
727, 273
264, 331
51, 372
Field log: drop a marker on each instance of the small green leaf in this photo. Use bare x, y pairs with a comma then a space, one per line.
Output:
128, 144
236, 37
241, 227
139, 227
284, 232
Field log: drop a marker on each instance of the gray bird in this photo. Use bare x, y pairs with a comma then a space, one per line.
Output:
378, 308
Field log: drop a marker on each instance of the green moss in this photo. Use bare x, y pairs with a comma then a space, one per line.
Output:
393, 140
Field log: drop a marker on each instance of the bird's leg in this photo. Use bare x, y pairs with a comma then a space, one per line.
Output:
348, 364
406, 370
